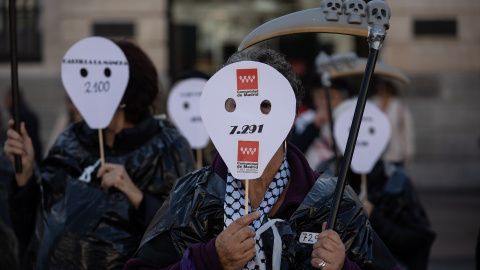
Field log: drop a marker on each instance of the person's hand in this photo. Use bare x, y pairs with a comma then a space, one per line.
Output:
329, 248
20, 144
115, 175
368, 206
321, 117
236, 244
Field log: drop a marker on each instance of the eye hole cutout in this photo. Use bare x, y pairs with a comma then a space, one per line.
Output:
329, 4
371, 130
265, 106
384, 13
337, 5
351, 5
83, 72
360, 6
186, 105
230, 105
107, 72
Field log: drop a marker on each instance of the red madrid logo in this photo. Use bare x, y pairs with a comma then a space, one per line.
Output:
247, 79
248, 151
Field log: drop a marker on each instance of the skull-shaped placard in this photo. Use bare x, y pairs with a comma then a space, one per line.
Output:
183, 106
95, 75
248, 108
373, 136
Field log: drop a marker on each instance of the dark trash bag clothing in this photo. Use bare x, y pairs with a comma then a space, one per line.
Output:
183, 233
398, 216
70, 223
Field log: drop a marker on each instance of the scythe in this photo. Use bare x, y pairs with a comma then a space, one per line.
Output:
352, 17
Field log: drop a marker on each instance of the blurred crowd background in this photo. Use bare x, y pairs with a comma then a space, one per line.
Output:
436, 43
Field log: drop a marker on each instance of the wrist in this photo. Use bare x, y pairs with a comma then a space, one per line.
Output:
22, 178
135, 197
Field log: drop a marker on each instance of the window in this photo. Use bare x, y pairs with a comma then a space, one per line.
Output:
28, 36
113, 30
441, 27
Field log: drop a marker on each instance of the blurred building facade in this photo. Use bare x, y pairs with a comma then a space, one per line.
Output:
435, 42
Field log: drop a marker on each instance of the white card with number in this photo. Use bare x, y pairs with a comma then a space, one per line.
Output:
183, 106
248, 108
373, 136
95, 75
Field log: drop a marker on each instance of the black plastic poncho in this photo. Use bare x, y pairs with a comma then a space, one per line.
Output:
194, 214
79, 225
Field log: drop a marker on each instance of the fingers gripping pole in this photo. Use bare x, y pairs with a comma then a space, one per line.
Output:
376, 35
14, 75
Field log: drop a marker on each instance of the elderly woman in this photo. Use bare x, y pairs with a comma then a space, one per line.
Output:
201, 226
74, 213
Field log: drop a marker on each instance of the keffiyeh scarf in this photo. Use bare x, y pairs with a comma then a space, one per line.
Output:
235, 207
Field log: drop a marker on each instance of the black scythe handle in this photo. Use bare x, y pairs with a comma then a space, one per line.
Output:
352, 137
14, 74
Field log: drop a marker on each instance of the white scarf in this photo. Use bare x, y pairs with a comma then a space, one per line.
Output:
235, 204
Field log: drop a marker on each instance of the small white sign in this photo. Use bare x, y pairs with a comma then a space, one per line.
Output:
183, 106
373, 136
308, 238
95, 75
248, 108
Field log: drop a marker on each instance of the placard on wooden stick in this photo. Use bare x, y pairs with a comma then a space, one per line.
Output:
183, 107
373, 138
248, 108
95, 75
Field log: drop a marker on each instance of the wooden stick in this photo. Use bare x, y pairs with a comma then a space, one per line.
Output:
246, 197
363, 187
100, 140
199, 158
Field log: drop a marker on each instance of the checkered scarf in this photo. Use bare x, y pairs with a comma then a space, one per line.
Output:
235, 204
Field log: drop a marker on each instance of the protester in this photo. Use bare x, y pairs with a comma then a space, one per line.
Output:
72, 212
402, 144
189, 231
397, 215
316, 140
206, 154
393, 207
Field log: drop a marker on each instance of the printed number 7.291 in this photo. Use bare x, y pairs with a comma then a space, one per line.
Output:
246, 129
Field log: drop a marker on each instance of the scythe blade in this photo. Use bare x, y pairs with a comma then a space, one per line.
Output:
305, 21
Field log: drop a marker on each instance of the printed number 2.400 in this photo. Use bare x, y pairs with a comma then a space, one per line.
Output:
246, 129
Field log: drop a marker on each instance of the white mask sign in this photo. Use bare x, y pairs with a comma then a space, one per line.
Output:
95, 75
373, 136
248, 108
183, 106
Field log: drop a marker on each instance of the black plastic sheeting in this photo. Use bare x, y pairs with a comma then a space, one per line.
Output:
79, 225
194, 214
399, 217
